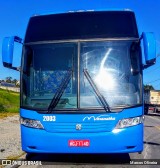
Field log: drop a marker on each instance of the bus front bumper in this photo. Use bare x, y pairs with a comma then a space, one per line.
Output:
125, 140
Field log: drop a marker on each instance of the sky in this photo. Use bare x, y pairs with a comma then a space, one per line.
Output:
15, 14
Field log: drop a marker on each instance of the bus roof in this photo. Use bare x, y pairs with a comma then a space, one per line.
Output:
81, 10
82, 25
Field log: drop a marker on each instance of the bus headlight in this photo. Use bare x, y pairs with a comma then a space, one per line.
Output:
128, 122
31, 123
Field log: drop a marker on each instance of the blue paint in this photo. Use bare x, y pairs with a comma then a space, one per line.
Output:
7, 50
98, 128
149, 43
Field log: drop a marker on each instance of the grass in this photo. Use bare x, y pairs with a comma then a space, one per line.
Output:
6, 114
9, 102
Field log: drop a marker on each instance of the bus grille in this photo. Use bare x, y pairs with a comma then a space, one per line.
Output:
85, 127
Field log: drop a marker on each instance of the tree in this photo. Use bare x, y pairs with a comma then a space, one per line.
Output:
148, 87
14, 81
9, 79
17, 84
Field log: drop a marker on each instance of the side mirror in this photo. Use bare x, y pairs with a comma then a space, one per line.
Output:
149, 44
7, 51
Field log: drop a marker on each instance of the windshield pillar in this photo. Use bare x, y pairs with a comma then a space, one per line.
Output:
78, 77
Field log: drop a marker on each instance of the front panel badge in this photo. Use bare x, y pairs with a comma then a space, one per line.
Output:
78, 126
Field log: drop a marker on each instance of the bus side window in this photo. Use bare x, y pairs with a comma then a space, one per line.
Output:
134, 61
28, 60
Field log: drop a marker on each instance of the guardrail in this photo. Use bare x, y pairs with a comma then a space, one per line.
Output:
10, 88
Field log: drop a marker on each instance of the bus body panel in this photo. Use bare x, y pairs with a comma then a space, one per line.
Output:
103, 139
115, 52
126, 141
73, 66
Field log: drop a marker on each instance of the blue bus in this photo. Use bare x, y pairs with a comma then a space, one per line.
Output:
81, 82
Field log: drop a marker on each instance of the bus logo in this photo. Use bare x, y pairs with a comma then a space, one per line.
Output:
78, 126
99, 118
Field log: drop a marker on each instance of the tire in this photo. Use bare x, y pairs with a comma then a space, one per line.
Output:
145, 110
29, 156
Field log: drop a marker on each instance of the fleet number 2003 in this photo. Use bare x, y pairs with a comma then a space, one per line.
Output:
49, 118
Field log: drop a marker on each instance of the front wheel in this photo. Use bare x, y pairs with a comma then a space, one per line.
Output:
29, 156
146, 110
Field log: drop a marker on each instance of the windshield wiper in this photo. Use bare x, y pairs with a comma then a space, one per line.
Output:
96, 90
60, 91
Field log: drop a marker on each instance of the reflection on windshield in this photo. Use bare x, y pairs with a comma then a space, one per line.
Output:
109, 64
113, 67
96, 90
108, 82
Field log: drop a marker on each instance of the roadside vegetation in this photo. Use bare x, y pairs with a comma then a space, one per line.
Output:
9, 103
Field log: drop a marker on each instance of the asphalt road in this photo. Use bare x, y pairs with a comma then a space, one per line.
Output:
151, 151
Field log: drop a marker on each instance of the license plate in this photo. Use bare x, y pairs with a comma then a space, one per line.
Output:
79, 143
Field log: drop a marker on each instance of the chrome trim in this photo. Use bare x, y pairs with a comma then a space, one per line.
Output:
83, 40
78, 127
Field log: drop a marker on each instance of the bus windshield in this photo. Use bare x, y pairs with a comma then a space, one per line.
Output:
60, 76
